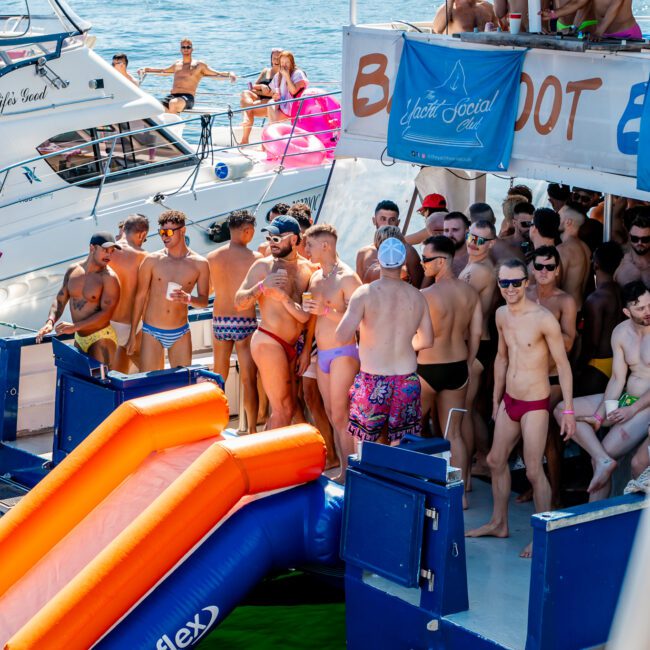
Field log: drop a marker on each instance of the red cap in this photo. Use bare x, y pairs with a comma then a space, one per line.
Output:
435, 201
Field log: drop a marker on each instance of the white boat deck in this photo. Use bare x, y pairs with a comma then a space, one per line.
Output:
498, 579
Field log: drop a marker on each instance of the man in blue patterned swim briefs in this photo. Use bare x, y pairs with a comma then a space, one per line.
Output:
229, 265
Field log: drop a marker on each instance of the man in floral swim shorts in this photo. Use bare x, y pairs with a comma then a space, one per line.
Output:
387, 388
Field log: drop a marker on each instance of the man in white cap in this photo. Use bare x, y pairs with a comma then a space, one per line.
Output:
387, 389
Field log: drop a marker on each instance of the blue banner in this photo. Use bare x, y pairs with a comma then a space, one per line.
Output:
643, 150
454, 107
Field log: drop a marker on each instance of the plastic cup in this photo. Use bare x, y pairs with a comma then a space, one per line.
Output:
610, 405
515, 23
171, 287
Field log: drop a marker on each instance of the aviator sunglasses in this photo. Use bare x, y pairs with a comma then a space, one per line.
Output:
475, 239
639, 240
168, 232
538, 266
504, 284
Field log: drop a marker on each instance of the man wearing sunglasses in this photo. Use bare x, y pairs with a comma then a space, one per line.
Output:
166, 280
574, 253
126, 262
522, 220
277, 282
636, 263
455, 311
530, 339
187, 72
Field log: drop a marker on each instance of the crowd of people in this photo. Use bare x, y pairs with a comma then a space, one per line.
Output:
543, 317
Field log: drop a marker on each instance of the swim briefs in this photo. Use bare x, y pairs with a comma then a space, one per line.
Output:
633, 33
189, 100
444, 376
84, 342
123, 331
166, 338
604, 365
233, 328
325, 357
487, 352
289, 350
517, 408
626, 400
375, 399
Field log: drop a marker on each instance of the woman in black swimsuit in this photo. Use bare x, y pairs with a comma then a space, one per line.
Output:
258, 94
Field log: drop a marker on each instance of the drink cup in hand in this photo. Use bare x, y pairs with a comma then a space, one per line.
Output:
610, 405
515, 23
171, 287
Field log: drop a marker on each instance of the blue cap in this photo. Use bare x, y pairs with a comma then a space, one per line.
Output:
283, 224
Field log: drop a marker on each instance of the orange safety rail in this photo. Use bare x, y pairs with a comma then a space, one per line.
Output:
168, 529
99, 464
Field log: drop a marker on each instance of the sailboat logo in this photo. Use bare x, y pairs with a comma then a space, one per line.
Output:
30, 174
447, 115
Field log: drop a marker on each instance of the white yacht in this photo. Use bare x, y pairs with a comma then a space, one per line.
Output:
83, 147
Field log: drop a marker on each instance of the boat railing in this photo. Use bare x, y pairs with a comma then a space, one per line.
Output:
97, 171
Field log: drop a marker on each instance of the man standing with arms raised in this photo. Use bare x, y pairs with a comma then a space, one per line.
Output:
93, 291
455, 310
229, 265
126, 261
529, 337
331, 288
278, 282
387, 389
166, 280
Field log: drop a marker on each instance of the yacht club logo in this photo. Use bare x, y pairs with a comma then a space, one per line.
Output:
30, 174
447, 115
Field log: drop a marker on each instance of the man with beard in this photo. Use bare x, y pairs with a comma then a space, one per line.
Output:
387, 214
558, 195
574, 253
456, 227
636, 263
529, 338
277, 282
630, 381
166, 280
93, 291
522, 220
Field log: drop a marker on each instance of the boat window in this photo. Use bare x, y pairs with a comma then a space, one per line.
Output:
132, 154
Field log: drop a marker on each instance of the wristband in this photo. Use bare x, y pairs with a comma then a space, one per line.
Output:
50, 320
568, 412
327, 311
261, 287
599, 417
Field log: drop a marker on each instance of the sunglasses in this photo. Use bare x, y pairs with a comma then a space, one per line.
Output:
639, 240
581, 198
504, 284
475, 239
276, 239
426, 260
540, 267
168, 232
525, 224
186, 47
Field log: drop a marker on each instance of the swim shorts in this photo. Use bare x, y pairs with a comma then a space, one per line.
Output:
376, 399
189, 100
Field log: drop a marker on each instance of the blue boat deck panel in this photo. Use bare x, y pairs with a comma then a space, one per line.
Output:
498, 579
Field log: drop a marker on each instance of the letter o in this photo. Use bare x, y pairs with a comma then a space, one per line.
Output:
528, 102
549, 125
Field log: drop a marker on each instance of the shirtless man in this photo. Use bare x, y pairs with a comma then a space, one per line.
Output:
636, 263
387, 388
615, 17
331, 288
463, 16
522, 220
387, 214
558, 195
630, 380
229, 265
187, 72
456, 227
165, 326
500, 249
126, 261
545, 292
278, 282
120, 62
433, 209
602, 311
574, 253
529, 337
455, 311
481, 275
93, 291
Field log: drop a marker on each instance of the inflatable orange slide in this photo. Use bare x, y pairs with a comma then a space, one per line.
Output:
108, 523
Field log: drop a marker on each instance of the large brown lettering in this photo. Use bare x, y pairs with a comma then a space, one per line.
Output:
361, 106
528, 102
577, 87
546, 127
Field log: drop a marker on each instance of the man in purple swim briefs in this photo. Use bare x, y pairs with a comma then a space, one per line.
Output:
528, 335
331, 288
387, 388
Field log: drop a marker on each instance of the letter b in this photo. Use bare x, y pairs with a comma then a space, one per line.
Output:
375, 77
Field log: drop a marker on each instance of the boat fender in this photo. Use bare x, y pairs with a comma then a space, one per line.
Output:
230, 169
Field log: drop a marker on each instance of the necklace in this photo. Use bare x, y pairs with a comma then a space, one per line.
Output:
333, 269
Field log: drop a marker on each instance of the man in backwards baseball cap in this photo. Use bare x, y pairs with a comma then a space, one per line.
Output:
394, 324
433, 209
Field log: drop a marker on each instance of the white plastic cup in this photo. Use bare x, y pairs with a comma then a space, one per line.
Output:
171, 287
534, 18
515, 23
610, 405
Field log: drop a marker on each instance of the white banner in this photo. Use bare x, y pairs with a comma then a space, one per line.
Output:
578, 118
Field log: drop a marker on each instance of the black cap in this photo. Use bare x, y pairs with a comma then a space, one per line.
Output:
105, 240
283, 224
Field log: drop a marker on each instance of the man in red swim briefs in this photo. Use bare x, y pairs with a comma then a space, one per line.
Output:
394, 323
528, 334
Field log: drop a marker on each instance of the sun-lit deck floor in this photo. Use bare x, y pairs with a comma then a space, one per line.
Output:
498, 579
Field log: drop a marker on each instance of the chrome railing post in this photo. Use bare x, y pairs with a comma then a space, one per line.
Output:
93, 213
